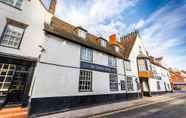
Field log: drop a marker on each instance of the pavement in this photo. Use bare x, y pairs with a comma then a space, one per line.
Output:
120, 109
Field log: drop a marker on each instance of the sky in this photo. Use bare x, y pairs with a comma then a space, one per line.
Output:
161, 23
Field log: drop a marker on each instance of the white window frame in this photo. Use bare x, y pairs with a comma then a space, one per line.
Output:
12, 36
113, 78
13, 3
86, 54
85, 81
128, 66
130, 85
82, 33
103, 43
112, 61
123, 84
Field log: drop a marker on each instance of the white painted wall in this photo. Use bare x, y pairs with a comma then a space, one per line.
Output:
33, 14
57, 80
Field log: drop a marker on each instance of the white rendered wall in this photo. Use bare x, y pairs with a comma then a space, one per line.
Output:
34, 15
59, 80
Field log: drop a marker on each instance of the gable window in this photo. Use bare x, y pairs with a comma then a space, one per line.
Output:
103, 43
111, 61
14, 3
13, 34
113, 82
82, 33
86, 54
130, 84
85, 81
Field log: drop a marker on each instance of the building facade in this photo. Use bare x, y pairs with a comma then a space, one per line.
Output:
48, 65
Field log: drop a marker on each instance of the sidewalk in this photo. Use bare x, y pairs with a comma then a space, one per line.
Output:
113, 107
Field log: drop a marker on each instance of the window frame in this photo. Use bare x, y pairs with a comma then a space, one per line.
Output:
14, 6
82, 31
110, 61
14, 24
115, 78
128, 66
123, 85
131, 87
79, 86
81, 54
103, 43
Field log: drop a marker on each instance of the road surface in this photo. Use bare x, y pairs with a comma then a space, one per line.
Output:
175, 108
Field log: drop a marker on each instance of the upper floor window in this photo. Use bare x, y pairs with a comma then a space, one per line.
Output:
14, 3
127, 65
103, 42
86, 54
142, 65
12, 34
82, 33
111, 61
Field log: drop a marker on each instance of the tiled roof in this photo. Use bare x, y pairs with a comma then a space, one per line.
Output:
128, 42
67, 31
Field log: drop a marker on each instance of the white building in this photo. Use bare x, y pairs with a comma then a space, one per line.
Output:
78, 68
49, 65
21, 39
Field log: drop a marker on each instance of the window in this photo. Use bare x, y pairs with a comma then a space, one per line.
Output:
123, 85
129, 84
127, 66
12, 36
82, 33
111, 61
15, 3
158, 85
86, 54
103, 42
141, 65
6, 75
113, 82
85, 81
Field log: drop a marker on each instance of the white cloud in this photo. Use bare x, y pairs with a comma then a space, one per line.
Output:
93, 14
140, 24
163, 34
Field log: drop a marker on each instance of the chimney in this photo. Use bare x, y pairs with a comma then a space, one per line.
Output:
52, 6
112, 39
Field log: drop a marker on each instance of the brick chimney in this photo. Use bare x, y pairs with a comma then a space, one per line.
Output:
52, 6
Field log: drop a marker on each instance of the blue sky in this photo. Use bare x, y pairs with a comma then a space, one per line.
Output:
162, 23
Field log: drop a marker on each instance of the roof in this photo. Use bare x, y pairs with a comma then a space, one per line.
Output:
67, 31
128, 42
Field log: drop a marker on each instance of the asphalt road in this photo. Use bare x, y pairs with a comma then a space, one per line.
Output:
175, 108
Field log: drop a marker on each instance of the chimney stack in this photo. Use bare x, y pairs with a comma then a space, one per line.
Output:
52, 6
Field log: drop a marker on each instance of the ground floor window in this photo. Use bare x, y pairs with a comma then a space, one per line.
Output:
158, 85
130, 84
113, 82
85, 81
123, 85
15, 80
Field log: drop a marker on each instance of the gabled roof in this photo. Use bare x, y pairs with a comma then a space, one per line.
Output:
128, 42
67, 31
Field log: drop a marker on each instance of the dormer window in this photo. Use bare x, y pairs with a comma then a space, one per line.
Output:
116, 48
81, 32
103, 42
14, 3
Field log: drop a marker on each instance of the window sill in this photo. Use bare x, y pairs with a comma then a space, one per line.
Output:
11, 6
8, 47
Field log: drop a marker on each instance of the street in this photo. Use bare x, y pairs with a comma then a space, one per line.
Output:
175, 108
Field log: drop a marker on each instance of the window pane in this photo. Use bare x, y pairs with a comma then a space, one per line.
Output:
130, 84
12, 36
86, 54
113, 82
15, 3
85, 81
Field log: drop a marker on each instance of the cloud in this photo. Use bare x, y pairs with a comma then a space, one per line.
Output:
95, 15
140, 24
163, 34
